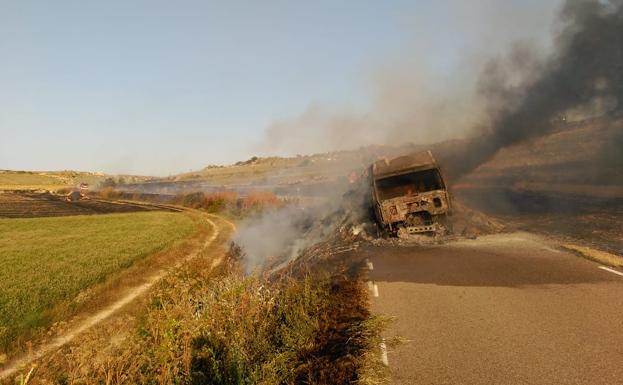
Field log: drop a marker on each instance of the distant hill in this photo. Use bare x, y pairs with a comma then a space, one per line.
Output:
584, 159
580, 158
55, 180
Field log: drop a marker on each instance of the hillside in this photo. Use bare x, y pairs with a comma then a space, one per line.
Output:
55, 180
583, 159
579, 158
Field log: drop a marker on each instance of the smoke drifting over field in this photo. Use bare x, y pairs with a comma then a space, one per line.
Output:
280, 235
424, 93
275, 234
522, 96
584, 73
519, 95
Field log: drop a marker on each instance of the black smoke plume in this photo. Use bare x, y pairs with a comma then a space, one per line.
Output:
585, 69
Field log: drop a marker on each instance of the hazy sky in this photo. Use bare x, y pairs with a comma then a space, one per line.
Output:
159, 87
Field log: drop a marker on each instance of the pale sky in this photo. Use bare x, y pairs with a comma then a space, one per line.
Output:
161, 87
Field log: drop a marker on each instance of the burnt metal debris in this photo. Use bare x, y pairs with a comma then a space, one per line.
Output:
409, 195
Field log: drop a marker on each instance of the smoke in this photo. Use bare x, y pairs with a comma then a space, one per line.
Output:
320, 129
408, 104
424, 93
278, 236
272, 235
518, 97
585, 72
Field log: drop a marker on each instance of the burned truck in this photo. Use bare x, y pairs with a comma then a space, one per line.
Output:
409, 195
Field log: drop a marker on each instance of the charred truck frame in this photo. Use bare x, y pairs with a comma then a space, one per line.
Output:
409, 195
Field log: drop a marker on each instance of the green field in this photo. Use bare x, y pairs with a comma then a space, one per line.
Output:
29, 180
46, 180
46, 261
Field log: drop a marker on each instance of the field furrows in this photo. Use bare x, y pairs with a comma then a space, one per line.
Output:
31, 205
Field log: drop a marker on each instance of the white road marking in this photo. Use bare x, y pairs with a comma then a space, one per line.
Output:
384, 359
376, 290
611, 270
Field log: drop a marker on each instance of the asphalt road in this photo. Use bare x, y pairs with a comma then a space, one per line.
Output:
502, 309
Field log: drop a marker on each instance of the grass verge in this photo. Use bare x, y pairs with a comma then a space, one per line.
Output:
217, 326
47, 262
596, 255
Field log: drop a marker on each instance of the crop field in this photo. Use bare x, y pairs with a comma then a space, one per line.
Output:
9, 180
48, 261
31, 180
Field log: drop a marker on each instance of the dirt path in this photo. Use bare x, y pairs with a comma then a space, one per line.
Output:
93, 319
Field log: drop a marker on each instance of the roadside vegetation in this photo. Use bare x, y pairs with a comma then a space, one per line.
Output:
45, 262
596, 255
217, 326
207, 322
229, 203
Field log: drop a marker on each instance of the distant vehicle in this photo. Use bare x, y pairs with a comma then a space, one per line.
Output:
78, 194
409, 195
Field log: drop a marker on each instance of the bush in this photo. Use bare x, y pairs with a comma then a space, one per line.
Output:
211, 202
192, 200
108, 182
219, 201
107, 192
257, 200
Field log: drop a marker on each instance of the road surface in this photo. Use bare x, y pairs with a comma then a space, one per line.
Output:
502, 309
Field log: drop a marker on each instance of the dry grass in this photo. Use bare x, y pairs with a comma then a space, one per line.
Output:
259, 200
222, 202
107, 192
220, 327
229, 202
596, 255
213, 202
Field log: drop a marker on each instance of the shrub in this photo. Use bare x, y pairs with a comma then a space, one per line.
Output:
107, 192
212, 202
256, 200
192, 200
219, 201
108, 182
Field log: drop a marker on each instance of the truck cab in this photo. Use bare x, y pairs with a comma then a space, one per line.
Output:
409, 195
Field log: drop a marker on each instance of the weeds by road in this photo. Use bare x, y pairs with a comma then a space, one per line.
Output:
217, 326
596, 255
